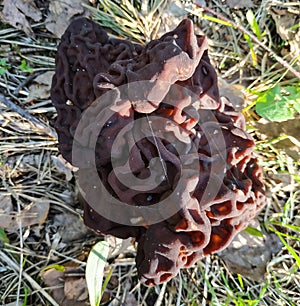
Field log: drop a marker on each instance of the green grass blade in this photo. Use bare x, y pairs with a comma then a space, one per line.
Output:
289, 248
107, 280
253, 23
253, 231
3, 236
252, 52
217, 20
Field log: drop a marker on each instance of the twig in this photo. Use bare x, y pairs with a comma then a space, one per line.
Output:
178, 302
40, 126
32, 282
253, 38
205, 289
21, 253
25, 82
161, 295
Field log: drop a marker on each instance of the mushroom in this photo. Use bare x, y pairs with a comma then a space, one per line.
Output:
169, 86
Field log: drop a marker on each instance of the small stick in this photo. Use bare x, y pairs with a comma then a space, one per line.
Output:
40, 126
25, 82
257, 41
178, 302
161, 295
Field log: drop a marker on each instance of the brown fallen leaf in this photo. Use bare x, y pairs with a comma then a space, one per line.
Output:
15, 12
40, 90
63, 166
233, 92
71, 227
61, 13
69, 287
65, 289
269, 129
34, 213
238, 4
76, 289
5, 204
171, 16
286, 26
249, 255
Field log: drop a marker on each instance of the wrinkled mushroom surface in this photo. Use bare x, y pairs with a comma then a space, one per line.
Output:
89, 63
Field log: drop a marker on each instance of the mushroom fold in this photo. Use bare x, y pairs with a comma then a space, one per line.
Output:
170, 88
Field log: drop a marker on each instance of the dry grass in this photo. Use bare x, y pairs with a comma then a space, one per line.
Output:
29, 175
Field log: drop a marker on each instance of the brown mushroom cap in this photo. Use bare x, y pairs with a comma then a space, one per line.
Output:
90, 64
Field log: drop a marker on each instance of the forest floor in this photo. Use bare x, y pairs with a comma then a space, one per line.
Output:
44, 244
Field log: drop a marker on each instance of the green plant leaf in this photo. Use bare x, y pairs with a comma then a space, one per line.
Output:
2, 71
3, 236
253, 231
297, 106
276, 106
54, 266
24, 67
294, 93
3, 66
94, 271
253, 23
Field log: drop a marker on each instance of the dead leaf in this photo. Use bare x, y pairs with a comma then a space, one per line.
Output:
5, 205
130, 300
15, 12
249, 255
76, 289
40, 90
61, 13
271, 130
69, 287
63, 166
38, 211
62, 284
35, 213
238, 4
233, 92
200, 2
71, 227
285, 26
172, 15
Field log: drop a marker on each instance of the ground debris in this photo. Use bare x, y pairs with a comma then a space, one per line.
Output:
289, 130
249, 255
66, 289
61, 13
16, 13
70, 227
238, 4
286, 27
63, 166
40, 89
34, 213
